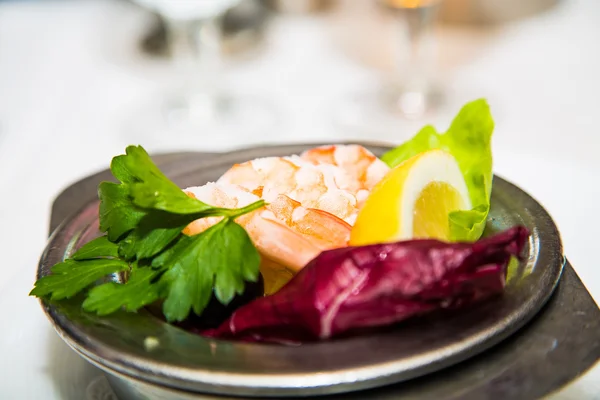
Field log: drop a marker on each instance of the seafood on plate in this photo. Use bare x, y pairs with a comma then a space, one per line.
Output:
284, 231
312, 201
331, 239
335, 178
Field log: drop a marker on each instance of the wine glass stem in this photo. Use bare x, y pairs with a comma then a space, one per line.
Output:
417, 59
195, 49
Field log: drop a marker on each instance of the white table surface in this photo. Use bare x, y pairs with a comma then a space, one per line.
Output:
68, 69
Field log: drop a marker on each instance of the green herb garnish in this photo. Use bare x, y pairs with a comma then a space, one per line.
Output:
143, 217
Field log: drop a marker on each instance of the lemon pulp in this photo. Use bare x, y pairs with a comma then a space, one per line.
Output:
274, 276
435, 202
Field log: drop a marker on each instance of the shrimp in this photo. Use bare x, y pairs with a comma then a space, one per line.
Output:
325, 229
255, 174
284, 231
335, 179
362, 165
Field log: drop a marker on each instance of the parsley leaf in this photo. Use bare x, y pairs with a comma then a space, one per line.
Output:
150, 188
222, 256
235, 249
118, 215
71, 277
155, 231
158, 229
143, 217
98, 248
121, 169
142, 288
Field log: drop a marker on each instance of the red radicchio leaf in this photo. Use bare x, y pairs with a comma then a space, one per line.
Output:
376, 285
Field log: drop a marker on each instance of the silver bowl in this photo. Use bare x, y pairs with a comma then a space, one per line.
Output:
145, 358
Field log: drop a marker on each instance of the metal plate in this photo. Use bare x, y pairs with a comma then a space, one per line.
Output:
411, 349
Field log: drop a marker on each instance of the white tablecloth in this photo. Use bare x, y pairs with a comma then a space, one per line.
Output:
68, 70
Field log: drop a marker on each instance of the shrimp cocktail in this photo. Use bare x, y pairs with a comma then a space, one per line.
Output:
303, 247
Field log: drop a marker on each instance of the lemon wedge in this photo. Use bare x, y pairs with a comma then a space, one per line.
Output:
413, 201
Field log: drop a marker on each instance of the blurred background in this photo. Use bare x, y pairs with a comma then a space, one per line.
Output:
81, 79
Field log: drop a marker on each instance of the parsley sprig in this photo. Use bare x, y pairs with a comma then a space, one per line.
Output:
142, 217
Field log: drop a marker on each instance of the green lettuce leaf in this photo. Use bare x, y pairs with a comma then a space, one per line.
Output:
469, 140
